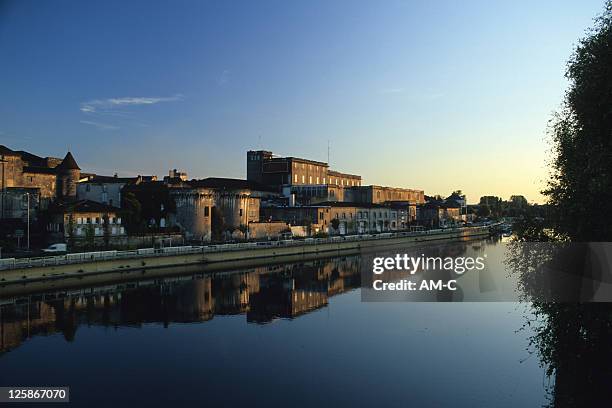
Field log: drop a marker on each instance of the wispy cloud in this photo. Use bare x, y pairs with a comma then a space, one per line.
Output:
391, 90
111, 105
224, 78
120, 110
98, 125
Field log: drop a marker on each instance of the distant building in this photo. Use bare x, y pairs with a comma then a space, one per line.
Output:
54, 178
338, 218
85, 223
220, 206
104, 189
436, 214
379, 194
175, 176
265, 168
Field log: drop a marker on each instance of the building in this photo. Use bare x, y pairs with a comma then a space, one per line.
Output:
104, 189
218, 208
380, 194
437, 214
54, 178
338, 218
175, 176
21, 203
85, 224
265, 168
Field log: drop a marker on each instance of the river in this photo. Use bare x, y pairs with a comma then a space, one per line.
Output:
293, 335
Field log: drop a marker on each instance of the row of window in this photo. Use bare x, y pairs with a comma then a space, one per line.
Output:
99, 231
98, 220
318, 180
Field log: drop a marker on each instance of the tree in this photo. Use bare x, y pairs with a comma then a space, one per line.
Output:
574, 340
132, 211
484, 211
335, 223
580, 186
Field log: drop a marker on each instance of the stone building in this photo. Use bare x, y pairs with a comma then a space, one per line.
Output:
53, 177
104, 189
85, 224
437, 214
217, 206
193, 212
316, 217
380, 194
298, 176
338, 218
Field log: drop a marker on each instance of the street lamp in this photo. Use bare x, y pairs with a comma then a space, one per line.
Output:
28, 239
3, 161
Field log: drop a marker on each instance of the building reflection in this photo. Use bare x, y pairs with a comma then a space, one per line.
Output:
261, 294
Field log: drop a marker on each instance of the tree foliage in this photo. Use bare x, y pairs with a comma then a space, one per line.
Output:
580, 188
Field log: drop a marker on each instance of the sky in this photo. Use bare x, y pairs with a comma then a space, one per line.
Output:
437, 96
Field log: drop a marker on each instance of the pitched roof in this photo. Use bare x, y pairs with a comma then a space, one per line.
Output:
82, 206
110, 179
69, 163
228, 183
5, 151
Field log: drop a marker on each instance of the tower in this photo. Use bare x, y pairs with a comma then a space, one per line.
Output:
68, 176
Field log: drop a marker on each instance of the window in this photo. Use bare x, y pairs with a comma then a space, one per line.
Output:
321, 215
207, 211
240, 212
303, 179
323, 180
343, 215
317, 180
309, 179
295, 178
79, 220
88, 220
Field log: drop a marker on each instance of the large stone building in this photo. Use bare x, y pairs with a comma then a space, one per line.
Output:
381, 194
86, 224
309, 182
265, 168
53, 177
217, 206
339, 218
104, 189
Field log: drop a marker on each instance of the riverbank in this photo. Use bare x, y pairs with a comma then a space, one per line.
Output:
141, 261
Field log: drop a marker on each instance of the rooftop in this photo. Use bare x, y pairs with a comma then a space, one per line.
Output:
82, 206
69, 163
228, 183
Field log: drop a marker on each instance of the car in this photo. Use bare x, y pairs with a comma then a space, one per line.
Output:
55, 248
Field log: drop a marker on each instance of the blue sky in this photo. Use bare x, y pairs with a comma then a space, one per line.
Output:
432, 95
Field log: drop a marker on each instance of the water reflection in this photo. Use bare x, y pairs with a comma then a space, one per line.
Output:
569, 285
262, 294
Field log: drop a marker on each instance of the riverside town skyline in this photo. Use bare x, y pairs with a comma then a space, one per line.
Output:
398, 100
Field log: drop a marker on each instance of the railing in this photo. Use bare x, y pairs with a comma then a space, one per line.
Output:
86, 257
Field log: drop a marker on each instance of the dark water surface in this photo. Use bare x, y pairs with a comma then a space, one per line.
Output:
290, 335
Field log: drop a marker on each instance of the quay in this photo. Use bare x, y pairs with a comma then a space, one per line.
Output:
226, 255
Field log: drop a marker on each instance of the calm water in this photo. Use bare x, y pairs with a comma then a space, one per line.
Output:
292, 335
